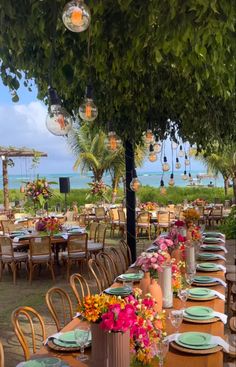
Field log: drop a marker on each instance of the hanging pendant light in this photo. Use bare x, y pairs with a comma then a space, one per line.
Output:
113, 143
184, 176
181, 152
157, 147
135, 184
22, 189
149, 137
192, 151
190, 177
177, 164
186, 161
174, 145
162, 188
165, 165
152, 155
76, 16
88, 110
58, 120
171, 181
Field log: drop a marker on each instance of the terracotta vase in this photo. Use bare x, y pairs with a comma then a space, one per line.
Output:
118, 349
144, 284
99, 346
156, 293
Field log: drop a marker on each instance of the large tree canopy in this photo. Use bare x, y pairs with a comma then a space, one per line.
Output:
164, 61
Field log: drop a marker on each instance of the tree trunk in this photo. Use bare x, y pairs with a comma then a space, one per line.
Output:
226, 185
234, 188
130, 199
5, 184
115, 184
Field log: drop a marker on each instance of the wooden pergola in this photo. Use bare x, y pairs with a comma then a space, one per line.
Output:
11, 152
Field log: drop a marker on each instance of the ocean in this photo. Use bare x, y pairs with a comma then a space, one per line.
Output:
78, 181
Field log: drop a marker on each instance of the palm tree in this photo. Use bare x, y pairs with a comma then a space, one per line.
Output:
223, 161
90, 148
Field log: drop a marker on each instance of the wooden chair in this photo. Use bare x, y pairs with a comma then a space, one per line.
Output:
79, 286
231, 281
92, 232
143, 222
77, 251
40, 254
232, 324
9, 226
99, 273
114, 220
119, 259
108, 263
1, 355
100, 214
20, 315
163, 221
216, 215
60, 306
122, 221
100, 238
82, 220
11, 258
126, 252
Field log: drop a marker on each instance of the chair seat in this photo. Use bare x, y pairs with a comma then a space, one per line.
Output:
18, 256
94, 246
73, 255
162, 224
115, 222
41, 257
143, 225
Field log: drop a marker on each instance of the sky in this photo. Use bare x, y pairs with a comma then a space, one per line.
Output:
23, 124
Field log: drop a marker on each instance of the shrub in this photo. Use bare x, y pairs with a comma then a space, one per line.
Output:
229, 225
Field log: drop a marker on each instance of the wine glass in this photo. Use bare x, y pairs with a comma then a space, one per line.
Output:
162, 349
176, 318
183, 296
81, 338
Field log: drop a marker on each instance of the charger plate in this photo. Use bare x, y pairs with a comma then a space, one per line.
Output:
196, 351
59, 348
201, 321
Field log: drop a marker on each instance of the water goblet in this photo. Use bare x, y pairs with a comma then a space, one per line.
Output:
176, 318
81, 338
183, 296
189, 278
162, 349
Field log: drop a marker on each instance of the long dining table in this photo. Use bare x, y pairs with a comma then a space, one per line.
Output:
174, 357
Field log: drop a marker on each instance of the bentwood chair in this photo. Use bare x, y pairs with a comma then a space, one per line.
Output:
79, 287
119, 259
60, 306
9, 226
163, 221
1, 355
40, 253
100, 238
11, 258
108, 263
100, 214
92, 232
35, 324
126, 252
77, 251
114, 220
143, 222
122, 220
99, 273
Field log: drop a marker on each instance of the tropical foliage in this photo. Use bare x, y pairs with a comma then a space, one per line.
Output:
168, 61
229, 225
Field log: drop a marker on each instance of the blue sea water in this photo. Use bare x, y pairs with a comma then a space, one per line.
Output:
78, 181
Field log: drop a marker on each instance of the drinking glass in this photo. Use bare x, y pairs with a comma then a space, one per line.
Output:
183, 295
176, 318
82, 337
189, 278
162, 349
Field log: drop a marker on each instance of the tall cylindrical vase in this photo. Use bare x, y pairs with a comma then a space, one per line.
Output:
165, 281
190, 257
99, 346
118, 349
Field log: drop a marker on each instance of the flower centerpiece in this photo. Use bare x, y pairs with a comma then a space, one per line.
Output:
152, 261
99, 190
191, 215
38, 191
164, 243
50, 225
177, 275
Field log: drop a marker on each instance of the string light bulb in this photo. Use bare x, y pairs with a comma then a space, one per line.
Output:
174, 145
184, 176
58, 120
76, 16
181, 152
192, 151
152, 155
162, 188
171, 180
88, 110
177, 164
186, 161
190, 177
113, 143
149, 137
165, 165
157, 147
135, 184
22, 189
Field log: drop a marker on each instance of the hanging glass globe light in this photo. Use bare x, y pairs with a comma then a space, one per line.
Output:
157, 147
76, 16
192, 151
165, 165
22, 189
186, 161
184, 176
177, 164
174, 145
58, 120
88, 110
113, 143
149, 137
152, 155
181, 152
190, 177
135, 184
162, 188
171, 180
